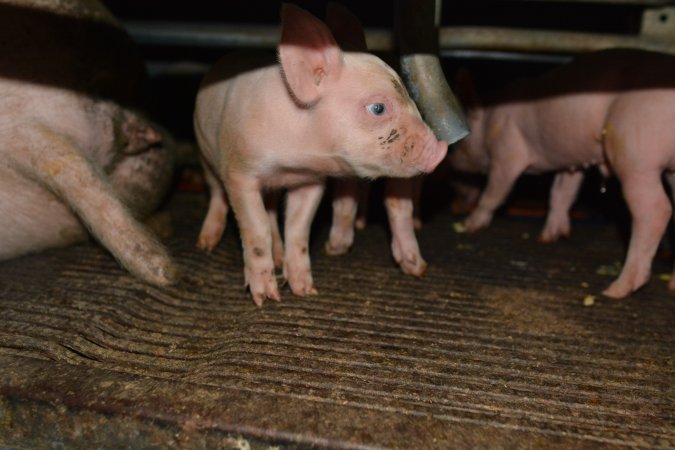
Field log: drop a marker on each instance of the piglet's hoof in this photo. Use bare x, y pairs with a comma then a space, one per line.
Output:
413, 265
618, 290
262, 285
335, 249
300, 280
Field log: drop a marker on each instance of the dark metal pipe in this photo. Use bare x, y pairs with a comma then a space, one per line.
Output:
535, 41
417, 38
475, 39
227, 35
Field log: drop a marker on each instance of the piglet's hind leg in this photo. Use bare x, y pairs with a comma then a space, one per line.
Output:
272, 200
345, 206
301, 205
216, 217
650, 210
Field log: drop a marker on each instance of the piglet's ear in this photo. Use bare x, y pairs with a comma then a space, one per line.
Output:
346, 28
309, 56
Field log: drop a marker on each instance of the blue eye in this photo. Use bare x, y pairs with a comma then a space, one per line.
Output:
376, 108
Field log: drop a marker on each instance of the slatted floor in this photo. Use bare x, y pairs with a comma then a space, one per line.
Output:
493, 348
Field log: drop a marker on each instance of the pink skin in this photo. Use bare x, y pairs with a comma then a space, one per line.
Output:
613, 109
93, 164
350, 195
74, 161
401, 197
290, 126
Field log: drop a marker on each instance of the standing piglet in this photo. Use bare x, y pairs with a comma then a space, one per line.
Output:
614, 109
318, 113
350, 196
76, 157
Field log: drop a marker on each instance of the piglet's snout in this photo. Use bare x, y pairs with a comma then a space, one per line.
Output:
433, 154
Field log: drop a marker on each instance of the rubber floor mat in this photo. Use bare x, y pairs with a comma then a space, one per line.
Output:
504, 343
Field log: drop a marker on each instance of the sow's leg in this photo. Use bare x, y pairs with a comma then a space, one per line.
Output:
71, 177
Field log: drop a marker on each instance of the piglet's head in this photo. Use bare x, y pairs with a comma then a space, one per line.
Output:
359, 108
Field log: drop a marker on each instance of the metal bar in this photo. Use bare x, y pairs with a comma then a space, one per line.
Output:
379, 40
227, 35
611, 2
509, 39
417, 39
542, 58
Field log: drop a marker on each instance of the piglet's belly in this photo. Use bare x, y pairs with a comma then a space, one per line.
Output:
291, 179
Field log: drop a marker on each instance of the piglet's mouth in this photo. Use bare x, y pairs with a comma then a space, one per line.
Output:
433, 154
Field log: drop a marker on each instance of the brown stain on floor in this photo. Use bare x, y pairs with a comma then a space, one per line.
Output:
529, 311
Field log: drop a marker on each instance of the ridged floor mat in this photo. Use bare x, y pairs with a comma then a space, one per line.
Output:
493, 348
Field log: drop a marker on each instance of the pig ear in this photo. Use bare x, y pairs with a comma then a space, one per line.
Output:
346, 28
465, 90
309, 56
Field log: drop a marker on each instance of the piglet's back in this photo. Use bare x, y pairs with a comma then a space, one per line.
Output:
229, 88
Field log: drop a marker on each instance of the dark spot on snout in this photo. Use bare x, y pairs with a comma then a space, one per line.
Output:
407, 148
257, 251
393, 136
303, 250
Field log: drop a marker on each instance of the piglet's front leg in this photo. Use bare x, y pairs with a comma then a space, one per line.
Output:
563, 194
59, 164
256, 235
272, 199
503, 175
301, 205
399, 201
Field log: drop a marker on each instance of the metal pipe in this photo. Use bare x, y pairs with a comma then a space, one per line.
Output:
509, 39
450, 38
227, 35
417, 38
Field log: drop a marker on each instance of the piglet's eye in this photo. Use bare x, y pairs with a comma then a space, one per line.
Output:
376, 108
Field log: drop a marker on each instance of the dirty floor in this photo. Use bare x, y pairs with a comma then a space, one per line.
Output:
504, 343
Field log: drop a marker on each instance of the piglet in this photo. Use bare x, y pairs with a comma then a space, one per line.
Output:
613, 109
350, 195
319, 112
75, 160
